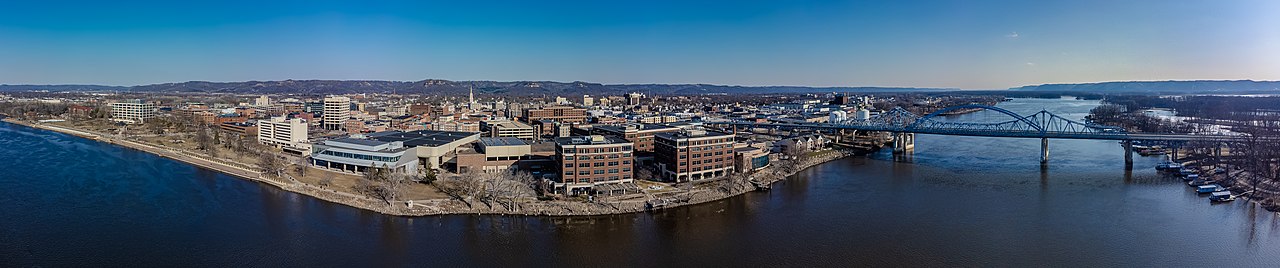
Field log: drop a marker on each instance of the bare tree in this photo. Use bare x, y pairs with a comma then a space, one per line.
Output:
271, 165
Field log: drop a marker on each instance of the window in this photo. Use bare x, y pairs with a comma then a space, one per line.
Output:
568, 173
584, 172
584, 158
626, 169
613, 170
599, 164
568, 164
626, 162
599, 171
584, 164
614, 163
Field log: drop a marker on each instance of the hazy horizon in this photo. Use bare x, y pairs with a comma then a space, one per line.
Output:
928, 44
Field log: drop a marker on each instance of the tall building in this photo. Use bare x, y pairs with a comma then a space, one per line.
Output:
587, 101
692, 155
133, 111
588, 161
263, 101
281, 132
562, 114
634, 98
336, 111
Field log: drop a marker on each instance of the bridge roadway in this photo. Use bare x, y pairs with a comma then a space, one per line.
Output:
1043, 125
1117, 136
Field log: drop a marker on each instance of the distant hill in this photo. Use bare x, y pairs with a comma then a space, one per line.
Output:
1167, 87
60, 88
446, 87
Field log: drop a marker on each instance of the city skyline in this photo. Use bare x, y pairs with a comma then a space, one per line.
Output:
990, 45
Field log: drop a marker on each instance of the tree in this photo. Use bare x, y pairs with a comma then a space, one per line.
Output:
271, 165
428, 177
301, 166
204, 140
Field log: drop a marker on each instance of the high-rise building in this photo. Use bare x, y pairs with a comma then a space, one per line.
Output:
263, 101
634, 98
587, 101
135, 111
692, 155
281, 132
337, 109
588, 161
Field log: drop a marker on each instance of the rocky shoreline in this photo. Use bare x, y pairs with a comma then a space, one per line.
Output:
430, 207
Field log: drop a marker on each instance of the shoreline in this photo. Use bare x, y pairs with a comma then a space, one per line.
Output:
440, 207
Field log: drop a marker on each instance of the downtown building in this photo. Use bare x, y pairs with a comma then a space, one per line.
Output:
133, 112
559, 114
358, 154
692, 155
589, 161
640, 134
287, 134
337, 109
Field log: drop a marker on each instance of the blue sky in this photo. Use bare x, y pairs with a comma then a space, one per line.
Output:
965, 44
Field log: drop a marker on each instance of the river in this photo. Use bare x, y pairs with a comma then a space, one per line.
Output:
962, 201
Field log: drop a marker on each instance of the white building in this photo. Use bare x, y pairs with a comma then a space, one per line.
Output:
132, 111
284, 133
263, 101
587, 101
357, 154
337, 109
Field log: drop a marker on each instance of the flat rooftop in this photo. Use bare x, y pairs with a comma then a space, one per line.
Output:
691, 134
589, 140
429, 138
502, 141
638, 127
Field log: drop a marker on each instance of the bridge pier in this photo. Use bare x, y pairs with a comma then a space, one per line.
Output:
1044, 151
1128, 154
904, 143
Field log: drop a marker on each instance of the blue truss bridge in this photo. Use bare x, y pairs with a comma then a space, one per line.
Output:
1043, 125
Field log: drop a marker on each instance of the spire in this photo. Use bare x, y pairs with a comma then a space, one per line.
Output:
471, 95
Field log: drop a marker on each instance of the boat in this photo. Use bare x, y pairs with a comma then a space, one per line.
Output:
1168, 166
1198, 183
1204, 189
1221, 196
1191, 177
1186, 171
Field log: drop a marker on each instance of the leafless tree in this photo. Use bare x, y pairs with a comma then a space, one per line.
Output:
271, 165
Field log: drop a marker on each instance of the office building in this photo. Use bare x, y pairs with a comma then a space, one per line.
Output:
588, 161
692, 155
337, 110
133, 112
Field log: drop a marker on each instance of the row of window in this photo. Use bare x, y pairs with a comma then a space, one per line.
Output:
597, 172
597, 157
361, 156
612, 178
625, 148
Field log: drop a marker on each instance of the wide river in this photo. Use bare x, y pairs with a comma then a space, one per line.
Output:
962, 201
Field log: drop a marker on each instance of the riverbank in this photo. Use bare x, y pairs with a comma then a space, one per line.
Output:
695, 194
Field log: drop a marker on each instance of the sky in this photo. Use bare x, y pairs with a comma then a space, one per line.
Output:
953, 44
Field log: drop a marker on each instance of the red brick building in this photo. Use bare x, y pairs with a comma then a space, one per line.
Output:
692, 155
588, 161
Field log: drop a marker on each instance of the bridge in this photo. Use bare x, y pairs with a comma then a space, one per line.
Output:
1043, 125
